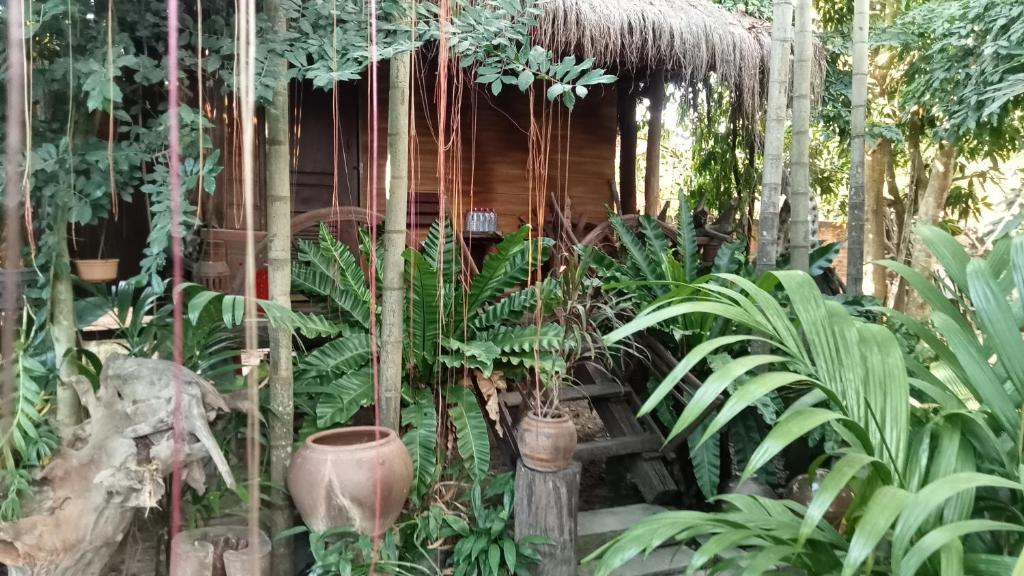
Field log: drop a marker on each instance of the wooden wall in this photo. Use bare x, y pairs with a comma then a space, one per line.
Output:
487, 159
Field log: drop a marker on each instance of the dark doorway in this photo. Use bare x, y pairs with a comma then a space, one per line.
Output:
325, 146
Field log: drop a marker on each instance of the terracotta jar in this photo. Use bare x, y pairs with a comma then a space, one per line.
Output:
546, 444
333, 479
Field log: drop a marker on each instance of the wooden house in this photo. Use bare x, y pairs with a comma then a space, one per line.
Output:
482, 159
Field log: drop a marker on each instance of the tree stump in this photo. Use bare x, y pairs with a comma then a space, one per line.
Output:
546, 505
219, 551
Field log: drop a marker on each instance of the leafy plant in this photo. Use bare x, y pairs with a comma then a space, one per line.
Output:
936, 479
452, 333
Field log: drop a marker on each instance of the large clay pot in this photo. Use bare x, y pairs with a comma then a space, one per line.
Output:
333, 479
546, 444
802, 489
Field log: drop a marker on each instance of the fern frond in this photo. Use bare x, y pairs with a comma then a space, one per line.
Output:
447, 258
337, 357
634, 249
340, 399
501, 271
525, 338
706, 458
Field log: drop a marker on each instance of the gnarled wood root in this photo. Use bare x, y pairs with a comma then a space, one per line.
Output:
114, 465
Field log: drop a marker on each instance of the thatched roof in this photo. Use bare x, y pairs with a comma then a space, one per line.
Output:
691, 39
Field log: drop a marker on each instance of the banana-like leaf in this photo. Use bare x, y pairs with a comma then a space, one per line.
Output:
421, 440
707, 462
342, 398
472, 439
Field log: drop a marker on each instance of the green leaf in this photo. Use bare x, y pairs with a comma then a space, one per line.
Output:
421, 440
687, 238
749, 393
838, 477
510, 554
706, 459
494, 558
883, 508
997, 321
524, 80
472, 438
786, 430
939, 537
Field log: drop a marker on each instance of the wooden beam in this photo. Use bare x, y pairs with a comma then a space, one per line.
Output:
612, 447
627, 145
584, 392
652, 184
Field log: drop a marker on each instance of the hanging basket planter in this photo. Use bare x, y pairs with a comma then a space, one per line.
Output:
334, 479
546, 444
97, 270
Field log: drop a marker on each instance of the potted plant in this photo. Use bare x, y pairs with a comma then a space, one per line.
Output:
98, 269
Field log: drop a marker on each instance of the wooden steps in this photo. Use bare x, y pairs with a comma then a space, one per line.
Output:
596, 528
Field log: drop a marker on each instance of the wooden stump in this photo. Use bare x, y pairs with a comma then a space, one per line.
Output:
546, 505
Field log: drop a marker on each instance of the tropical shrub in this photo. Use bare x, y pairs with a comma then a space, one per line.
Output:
652, 270
453, 336
936, 480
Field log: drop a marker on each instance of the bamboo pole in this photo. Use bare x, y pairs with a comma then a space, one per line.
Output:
396, 214
855, 246
800, 194
281, 419
775, 129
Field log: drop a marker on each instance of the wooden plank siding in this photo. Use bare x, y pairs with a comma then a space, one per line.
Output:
487, 159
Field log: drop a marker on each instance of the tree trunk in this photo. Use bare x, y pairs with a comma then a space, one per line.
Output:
915, 190
874, 226
393, 308
652, 183
859, 98
281, 419
627, 145
547, 504
929, 211
775, 129
63, 330
800, 193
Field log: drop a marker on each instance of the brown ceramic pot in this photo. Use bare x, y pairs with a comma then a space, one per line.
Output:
103, 270
802, 489
546, 444
333, 479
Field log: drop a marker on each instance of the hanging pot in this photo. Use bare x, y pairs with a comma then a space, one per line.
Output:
546, 444
334, 479
97, 270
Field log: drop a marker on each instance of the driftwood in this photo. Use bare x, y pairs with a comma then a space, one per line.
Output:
113, 465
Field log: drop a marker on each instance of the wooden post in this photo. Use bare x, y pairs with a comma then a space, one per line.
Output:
652, 182
627, 146
546, 505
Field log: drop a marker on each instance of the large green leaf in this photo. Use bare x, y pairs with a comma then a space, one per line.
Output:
786, 430
501, 271
442, 250
640, 259
337, 357
939, 537
997, 321
423, 324
341, 398
838, 477
883, 508
472, 439
687, 238
947, 251
758, 387
421, 440
707, 461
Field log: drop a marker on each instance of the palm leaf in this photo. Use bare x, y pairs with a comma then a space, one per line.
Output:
423, 325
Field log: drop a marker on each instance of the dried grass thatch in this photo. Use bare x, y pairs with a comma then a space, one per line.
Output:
692, 39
